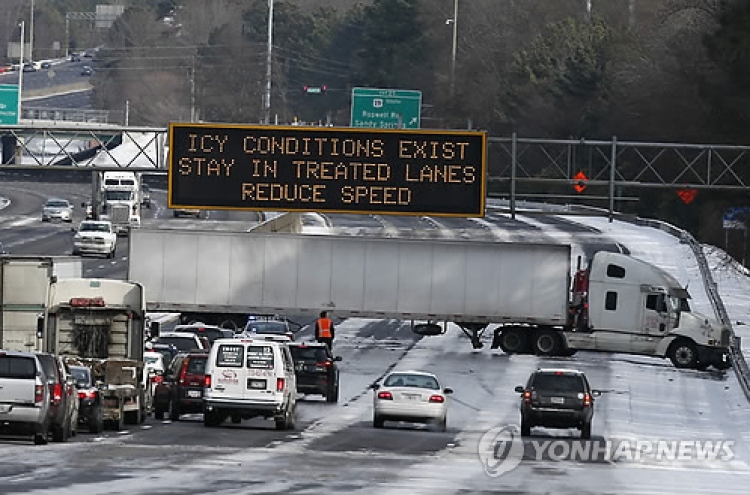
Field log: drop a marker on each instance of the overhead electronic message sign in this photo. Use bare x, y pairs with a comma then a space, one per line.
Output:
343, 170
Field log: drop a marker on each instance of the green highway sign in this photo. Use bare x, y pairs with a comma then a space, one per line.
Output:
8, 104
386, 108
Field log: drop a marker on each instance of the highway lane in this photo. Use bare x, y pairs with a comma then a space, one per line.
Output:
23, 233
336, 450
59, 75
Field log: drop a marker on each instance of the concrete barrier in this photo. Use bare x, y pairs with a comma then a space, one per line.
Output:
284, 222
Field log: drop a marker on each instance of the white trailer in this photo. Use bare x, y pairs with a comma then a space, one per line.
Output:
618, 304
225, 272
24, 287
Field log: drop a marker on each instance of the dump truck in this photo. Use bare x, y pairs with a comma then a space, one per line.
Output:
535, 296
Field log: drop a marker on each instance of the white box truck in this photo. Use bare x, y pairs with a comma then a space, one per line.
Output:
24, 287
101, 323
532, 291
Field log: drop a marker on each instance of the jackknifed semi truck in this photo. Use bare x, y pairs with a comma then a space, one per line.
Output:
534, 296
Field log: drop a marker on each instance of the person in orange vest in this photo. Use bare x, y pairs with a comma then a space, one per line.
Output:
324, 331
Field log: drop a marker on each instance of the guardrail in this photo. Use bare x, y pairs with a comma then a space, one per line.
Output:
739, 363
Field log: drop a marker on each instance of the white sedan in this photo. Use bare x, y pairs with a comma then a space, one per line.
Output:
95, 236
412, 396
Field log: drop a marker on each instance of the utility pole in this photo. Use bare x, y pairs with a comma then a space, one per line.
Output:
269, 56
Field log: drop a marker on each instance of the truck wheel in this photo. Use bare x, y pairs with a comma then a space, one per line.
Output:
546, 343
721, 365
683, 353
513, 341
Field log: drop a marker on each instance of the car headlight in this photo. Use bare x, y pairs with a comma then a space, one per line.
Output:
77, 237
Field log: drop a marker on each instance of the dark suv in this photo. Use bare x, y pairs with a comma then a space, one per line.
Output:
64, 397
316, 369
557, 398
181, 391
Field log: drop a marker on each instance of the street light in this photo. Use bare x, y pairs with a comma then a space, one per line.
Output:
454, 21
31, 35
20, 68
269, 54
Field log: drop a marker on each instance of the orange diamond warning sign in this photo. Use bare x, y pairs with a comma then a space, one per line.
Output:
581, 184
687, 195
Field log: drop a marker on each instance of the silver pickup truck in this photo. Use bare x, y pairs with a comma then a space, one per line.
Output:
24, 396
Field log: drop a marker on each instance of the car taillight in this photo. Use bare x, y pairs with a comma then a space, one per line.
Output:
39, 393
86, 394
57, 393
437, 398
326, 364
586, 400
157, 378
527, 397
279, 384
385, 395
207, 381
183, 372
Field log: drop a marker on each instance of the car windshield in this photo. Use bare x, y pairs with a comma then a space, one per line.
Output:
182, 343
19, 367
81, 376
94, 227
274, 327
119, 195
549, 382
57, 204
408, 380
312, 354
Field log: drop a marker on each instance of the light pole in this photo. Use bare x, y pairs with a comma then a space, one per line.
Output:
20, 69
454, 21
31, 34
267, 100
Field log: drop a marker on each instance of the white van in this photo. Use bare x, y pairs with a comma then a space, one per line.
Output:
246, 378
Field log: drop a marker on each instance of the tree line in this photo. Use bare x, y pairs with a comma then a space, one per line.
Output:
642, 70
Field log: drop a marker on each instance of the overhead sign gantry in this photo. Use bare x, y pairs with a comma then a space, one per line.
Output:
338, 170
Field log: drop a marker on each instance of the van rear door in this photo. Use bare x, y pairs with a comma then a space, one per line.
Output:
261, 380
228, 371
17, 379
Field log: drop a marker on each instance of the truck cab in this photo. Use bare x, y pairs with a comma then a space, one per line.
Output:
634, 307
121, 200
